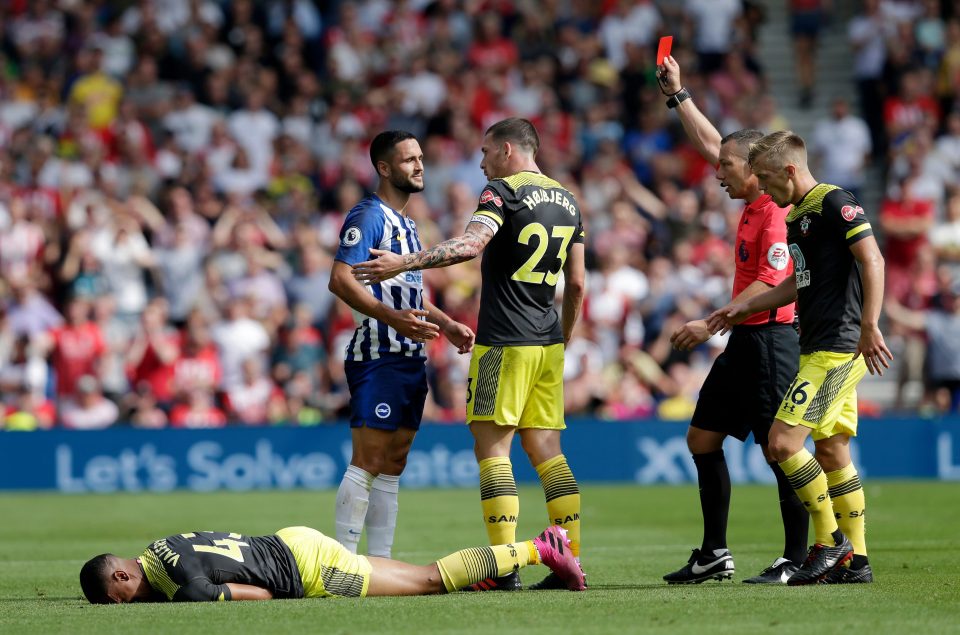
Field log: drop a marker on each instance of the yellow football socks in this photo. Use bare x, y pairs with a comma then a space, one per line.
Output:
563, 497
849, 505
808, 481
499, 500
468, 566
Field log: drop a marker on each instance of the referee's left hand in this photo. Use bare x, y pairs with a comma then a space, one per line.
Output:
383, 266
874, 350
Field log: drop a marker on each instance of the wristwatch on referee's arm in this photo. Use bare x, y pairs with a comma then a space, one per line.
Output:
677, 98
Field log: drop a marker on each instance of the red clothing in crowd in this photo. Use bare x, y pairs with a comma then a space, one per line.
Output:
76, 350
200, 369
901, 252
183, 416
153, 371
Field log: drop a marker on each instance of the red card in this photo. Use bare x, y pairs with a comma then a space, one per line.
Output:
663, 50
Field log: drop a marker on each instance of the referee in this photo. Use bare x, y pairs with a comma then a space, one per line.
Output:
744, 388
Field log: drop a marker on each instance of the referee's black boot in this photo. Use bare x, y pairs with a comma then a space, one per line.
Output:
702, 566
777, 573
509, 582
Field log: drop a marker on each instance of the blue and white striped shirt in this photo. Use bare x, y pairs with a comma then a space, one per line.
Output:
374, 224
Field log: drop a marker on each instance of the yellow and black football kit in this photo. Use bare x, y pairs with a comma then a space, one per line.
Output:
297, 562
820, 230
515, 373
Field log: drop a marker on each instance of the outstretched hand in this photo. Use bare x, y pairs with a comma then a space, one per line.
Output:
383, 266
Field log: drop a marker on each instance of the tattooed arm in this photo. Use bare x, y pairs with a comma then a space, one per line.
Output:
386, 265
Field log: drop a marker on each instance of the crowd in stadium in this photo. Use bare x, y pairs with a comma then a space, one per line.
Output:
174, 174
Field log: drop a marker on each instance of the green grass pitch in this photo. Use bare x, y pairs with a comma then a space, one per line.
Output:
633, 536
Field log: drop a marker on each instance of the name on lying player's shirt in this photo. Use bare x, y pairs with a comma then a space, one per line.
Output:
539, 197
165, 553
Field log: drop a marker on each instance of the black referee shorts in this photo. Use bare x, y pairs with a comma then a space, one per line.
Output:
747, 382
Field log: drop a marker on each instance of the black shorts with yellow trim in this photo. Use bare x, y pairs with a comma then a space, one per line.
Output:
518, 386
823, 396
327, 568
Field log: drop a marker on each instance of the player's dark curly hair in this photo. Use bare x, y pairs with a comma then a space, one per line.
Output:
93, 578
384, 143
517, 131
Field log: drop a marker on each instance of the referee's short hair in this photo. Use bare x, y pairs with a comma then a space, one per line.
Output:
517, 131
743, 139
779, 148
384, 143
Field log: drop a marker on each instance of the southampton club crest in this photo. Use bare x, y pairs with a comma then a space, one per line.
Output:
805, 226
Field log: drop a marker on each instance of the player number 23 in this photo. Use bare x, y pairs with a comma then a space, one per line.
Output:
526, 272
228, 547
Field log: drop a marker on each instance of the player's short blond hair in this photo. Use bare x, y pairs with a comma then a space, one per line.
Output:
779, 149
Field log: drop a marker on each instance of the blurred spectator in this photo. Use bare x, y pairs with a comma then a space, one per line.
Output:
153, 353
841, 145
28, 312
197, 411
868, 35
77, 348
238, 338
24, 369
255, 400
806, 18
88, 409
905, 219
713, 26
95, 92
942, 328
28, 411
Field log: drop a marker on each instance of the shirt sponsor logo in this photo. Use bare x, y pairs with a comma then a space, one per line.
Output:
800, 271
351, 237
488, 196
849, 212
778, 256
382, 410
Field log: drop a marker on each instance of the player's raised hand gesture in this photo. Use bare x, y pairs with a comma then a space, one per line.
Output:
412, 323
874, 349
383, 266
668, 74
460, 335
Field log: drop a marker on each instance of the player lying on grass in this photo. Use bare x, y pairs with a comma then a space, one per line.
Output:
299, 562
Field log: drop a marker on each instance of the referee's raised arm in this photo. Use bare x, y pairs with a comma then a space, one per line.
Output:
704, 136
